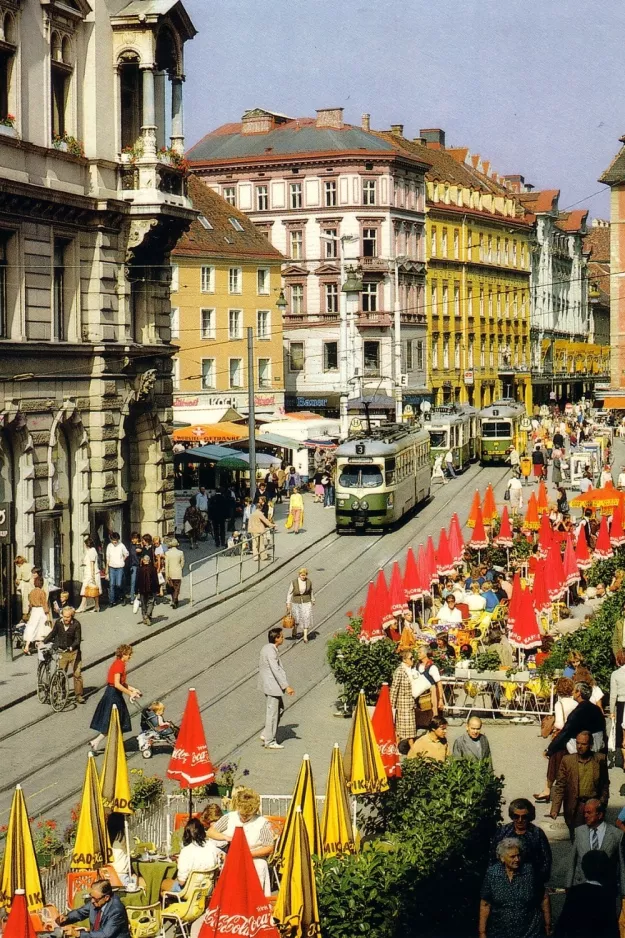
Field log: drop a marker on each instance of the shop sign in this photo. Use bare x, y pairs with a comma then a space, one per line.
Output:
5, 522
468, 377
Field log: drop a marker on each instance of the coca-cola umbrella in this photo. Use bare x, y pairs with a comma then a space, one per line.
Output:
238, 905
603, 547
505, 538
430, 560
540, 595
397, 594
384, 601
384, 731
412, 582
525, 633
582, 552
569, 562
190, 762
554, 573
479, 540
456, 541
19, 923
531, 521
476, 506
617, 535
513, 605
542, 502
371, 628
444, 562
489, 507
545, 536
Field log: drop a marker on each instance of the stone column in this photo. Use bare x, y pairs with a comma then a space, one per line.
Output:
148, 127
159, 107
177, 131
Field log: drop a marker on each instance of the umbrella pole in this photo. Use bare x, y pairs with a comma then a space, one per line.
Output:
127, 833
190, 802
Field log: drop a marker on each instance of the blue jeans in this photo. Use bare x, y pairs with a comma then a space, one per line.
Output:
328, 498
133, 583
116, 581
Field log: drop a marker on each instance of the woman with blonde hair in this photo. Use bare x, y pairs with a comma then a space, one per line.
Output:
245, 813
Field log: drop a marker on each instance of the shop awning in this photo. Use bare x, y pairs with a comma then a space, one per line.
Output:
210, 432
210, 451
275, 440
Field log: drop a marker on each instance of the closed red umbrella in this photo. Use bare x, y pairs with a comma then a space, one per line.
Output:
424, 573
478, 540
19, 923
531, 522
397, 594
412, 581
430, 559
603, 547
514, 599
190, 762
384, 601
238, 905
475, 507
444, 562
505, 538
456, 541
545, 536
371, 628
582, 553
525, 632
539, 589
617, 535
554, 574
489, 508
542, 502
571, 571
384, 731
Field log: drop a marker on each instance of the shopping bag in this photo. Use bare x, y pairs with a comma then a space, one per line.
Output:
289, 521
612, 737
136, 604
188, 527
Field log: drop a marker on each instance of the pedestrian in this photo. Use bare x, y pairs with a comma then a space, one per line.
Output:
556, 468
134, 558
589, 907
174, 566
299, 600
585, 483
449, 464
39, 618
66, 636
562, 707
473, 744
562, 504
437, 469
534, 842
92, 581
192, 522
147, 588
585, 716
296, 510
117, 687
513, 901
159, 563
514, 459
328, 486
595, 834
319, 491
292, 480
402, 700
23, 582
430, 702
281, 474
274, 684
515, 488
248, 508
582, 777
257, 527
538, 462
106, 914
116, 554
219, 510
201, 503
433, 744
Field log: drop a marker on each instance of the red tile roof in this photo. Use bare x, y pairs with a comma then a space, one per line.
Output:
541, 201
597, 243
572, 221
615, 173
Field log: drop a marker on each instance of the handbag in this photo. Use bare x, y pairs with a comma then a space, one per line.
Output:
612, 737
506, 495
289, 521
136, 604
161, 578
288, 622
188, 527
546, 725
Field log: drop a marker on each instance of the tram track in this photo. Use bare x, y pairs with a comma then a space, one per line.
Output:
344, 600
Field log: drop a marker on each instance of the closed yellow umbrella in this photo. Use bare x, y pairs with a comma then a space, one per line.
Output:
19, 863
303, 798
114, 784
296, 909
337, 832
92, 849
364, 769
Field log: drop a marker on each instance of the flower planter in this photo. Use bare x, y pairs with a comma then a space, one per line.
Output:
61, 145
7, 131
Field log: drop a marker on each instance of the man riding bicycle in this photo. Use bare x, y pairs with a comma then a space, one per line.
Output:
66, 637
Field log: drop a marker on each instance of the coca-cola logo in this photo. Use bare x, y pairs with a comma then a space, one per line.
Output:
388, 748
240, 924
199, 757
180, 754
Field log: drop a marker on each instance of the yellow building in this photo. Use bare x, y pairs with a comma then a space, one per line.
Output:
226, 278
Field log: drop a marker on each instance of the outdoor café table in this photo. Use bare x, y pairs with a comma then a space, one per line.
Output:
153, 873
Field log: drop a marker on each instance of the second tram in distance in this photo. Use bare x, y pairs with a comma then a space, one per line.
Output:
500, 428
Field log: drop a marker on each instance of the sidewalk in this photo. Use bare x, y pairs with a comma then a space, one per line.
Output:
103, 632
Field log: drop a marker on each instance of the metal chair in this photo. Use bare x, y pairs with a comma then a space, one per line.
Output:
145, 921
184, 907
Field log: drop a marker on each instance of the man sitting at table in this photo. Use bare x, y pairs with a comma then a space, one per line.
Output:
448, 614
107, 916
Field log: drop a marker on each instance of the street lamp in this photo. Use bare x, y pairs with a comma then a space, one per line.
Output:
400, 259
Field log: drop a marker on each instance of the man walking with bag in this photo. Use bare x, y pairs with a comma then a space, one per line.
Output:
174, 565
273, 682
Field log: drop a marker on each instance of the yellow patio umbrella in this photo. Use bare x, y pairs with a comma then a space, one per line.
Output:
19, 863
364, 769
92, 849
296, 909
304, 799
114, 784
337, 832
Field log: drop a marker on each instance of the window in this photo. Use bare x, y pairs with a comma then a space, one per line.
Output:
456, 243
235, 372
262, 199
330, 243
235, 280
491, 355
435, 309
446, 351
369, 297
235, 319
330, 193
435, 353
330, 356
131, 102
433, 241
514, 253
444, 242
469, 300
230, 195
236, 224
208, 373
490, 304
332, 297
58, 290
204, 222
370, 242
207, 323
263, 324
296, 356
457, 348
175, 278
369, 192
470, 353
174, 322
482, 352
482, 311
445, 298
264, 373
297, 298
498, 251
409, 355
420, 355
207, 280
297, 243
456, 299
262, 281
7, 57
60, 80
481, 247
4, 311
295, 191
371, 358
506, 251
490, 248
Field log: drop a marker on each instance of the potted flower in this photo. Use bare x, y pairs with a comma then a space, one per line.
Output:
7, 126
226, 777
48, 845
132, 153
146, 789
68, 144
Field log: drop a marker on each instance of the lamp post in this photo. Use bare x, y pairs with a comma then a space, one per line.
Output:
400, 259
350, 289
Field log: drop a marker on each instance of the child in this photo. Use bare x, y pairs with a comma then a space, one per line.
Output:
59, 604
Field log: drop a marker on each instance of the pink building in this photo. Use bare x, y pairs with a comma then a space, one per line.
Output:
614, 176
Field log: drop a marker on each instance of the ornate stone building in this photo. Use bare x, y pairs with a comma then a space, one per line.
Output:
91, 203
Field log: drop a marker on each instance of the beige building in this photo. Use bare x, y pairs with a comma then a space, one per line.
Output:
89, 211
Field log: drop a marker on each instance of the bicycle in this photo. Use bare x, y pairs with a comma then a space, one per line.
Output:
52, 683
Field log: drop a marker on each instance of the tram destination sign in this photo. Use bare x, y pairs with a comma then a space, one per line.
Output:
5, 522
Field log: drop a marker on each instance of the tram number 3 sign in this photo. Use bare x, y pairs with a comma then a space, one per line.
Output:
5, 523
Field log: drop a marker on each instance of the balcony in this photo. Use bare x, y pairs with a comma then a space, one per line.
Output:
160, 175
378, 319
372, 265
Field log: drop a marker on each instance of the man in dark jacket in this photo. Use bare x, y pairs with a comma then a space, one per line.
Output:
219, 511
107, 916
585, 716
66, 636
582, 776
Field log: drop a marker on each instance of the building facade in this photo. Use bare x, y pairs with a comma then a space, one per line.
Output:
85, 235
226, 279
333, 198
597, 249
614, 177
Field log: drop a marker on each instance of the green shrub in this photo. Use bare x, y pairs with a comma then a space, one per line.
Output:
359, 665
146, 789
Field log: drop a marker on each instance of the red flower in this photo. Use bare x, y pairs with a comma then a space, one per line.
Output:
349, 614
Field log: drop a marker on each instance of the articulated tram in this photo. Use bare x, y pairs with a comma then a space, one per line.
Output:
381, 476
500, 429
453, 427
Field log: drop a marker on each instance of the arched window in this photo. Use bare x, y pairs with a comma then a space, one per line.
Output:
61, 69
131, 99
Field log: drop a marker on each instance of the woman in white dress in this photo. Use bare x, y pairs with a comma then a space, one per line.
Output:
92, 581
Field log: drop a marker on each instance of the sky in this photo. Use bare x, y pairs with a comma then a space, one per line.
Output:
535, 86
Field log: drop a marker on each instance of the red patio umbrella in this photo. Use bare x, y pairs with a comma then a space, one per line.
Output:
505, 538
397, 594
542, 501
238, 905
190, 763
571, 571
371, 628
475, 507
384, 730
19, 923
603, 547
539, 589
478, 540
531, 522
412, 582
456, 541
444, 561
554, 574
383, 598
582, 553
513, 605
422, 567
489, 508
617, 535
525, 632
545, 536
430, 560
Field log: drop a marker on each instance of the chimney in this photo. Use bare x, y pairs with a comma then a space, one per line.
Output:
330, 118
434, 137
600, 223
365, 124
515, 183
397, 130
421, 141
257, 121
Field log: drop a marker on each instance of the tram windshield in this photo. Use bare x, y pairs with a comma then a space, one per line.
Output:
438, 438
496, 429
360, 477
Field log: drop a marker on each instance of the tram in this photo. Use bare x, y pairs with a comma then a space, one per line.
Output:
381, 476
454, 427
500, 428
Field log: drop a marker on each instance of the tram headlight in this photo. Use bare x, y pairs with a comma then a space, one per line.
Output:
364, 504
355, 504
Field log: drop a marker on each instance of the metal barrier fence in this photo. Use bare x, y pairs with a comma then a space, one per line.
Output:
241, 559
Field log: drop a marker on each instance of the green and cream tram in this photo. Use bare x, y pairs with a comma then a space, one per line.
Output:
453, 427
381, 476
500, 428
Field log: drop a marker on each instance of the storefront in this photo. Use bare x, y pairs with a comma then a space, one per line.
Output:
205, 407
326, 405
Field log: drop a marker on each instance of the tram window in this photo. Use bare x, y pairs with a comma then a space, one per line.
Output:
371, 477
390, 471
366, 477
496, 429
438, 438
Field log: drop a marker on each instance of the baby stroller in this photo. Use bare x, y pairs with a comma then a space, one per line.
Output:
151, 733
